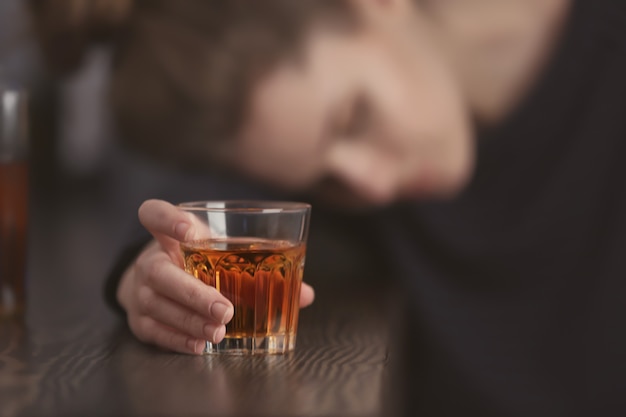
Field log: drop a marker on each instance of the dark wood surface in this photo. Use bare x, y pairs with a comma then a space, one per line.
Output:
72, 356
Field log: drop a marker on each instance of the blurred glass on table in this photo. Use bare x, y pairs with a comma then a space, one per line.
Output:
14, 150
253, 252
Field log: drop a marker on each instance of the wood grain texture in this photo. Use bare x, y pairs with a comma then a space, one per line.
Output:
71, 356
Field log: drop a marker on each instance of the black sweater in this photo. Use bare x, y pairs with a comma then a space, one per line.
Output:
517, 289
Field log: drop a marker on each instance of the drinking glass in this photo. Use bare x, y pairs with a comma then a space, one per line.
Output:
253, 252
13, 200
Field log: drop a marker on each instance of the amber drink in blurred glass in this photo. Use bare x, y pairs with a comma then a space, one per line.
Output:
254, 254
13, 200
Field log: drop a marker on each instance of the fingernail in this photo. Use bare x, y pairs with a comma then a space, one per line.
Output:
222, 312
219, 333
208, 331
181, 230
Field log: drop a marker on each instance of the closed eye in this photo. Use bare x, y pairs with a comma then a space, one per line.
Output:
352, 120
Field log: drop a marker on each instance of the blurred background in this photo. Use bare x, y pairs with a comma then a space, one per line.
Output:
74, 153
84, 189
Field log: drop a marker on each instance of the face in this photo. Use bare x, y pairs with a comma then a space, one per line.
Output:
374, 111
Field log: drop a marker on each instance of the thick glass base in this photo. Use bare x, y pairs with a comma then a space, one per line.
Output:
272, 344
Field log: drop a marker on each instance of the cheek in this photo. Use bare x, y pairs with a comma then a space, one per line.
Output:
429, 140
282, 144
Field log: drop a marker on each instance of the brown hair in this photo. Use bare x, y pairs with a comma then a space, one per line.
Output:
184, 69
66, 28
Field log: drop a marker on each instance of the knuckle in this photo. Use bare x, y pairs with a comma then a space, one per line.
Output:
143, 266
192, 324
187, 321
194, 296
149, 269
152, 270
174, 341
171, 340
146, 331
145, 299
141, 327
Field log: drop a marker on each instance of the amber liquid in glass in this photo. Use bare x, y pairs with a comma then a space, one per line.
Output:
262, 279
13, 229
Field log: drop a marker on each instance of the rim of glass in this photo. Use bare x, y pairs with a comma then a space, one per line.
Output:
245, 206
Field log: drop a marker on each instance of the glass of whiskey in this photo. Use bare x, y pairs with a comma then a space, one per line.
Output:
14, 190
253, 252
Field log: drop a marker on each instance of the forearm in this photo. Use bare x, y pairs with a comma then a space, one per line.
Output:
123, 262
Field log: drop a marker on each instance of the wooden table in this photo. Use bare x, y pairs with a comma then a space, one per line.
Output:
72, 356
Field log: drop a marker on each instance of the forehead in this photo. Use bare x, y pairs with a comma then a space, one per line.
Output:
287, 97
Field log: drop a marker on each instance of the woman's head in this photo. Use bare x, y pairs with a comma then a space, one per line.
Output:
296, 93
184, 71
373, 111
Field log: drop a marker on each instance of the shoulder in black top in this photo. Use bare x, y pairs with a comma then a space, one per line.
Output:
517, 289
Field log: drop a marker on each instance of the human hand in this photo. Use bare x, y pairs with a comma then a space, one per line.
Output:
165, 305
